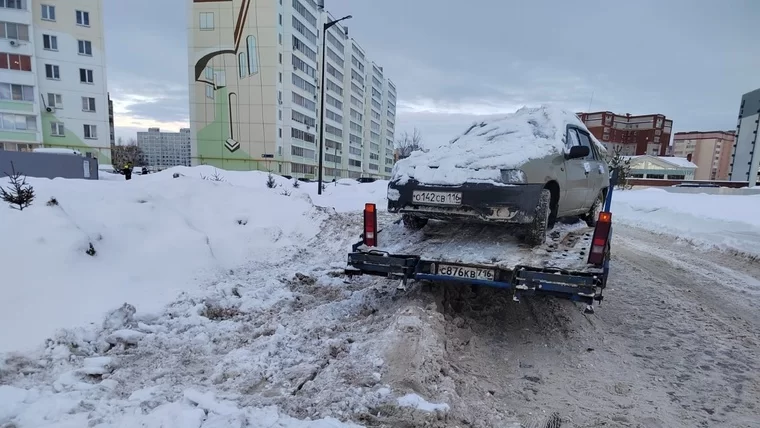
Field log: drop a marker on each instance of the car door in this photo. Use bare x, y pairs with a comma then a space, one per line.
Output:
577, 181
598, 168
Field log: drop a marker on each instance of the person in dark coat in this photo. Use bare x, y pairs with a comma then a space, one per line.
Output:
128, 170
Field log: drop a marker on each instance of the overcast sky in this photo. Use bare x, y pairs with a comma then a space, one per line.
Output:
455, 61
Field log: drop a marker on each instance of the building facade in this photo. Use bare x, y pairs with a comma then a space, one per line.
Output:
163, 150
745, 162
53, 76
710, 151
662, 168
255, 70
632, 135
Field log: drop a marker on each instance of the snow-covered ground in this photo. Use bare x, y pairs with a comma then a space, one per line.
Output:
221, 304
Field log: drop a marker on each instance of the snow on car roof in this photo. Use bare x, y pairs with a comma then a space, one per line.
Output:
486, 147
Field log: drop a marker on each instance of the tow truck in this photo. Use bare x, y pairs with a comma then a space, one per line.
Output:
574, 264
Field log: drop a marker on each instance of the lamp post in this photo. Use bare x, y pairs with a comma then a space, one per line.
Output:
325, 27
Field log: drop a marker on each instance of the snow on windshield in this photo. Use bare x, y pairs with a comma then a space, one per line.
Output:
487, 147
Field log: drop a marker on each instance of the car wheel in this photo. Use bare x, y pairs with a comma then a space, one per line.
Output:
536, 233
413, 222
593, 214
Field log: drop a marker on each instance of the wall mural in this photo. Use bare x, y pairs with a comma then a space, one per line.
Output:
211, 69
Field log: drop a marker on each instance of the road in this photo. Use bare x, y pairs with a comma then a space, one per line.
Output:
676, 343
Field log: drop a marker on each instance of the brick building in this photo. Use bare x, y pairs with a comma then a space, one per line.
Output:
710, 151
635, 135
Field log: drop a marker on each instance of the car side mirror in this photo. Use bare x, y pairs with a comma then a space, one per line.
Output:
577, 152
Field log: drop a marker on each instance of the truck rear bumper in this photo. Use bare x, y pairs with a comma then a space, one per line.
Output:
470, 201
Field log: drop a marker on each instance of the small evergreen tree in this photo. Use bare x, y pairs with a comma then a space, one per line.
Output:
20, 194
296, 184
621, 164
270, 181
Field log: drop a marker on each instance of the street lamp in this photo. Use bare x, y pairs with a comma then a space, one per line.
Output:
325, 27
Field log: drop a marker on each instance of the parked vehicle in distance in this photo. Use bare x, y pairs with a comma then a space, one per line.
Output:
529, 168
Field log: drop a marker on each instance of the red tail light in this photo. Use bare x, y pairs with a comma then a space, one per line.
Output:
370, 225
599, 242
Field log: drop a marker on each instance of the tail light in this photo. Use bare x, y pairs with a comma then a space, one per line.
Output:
601, 235
370, 225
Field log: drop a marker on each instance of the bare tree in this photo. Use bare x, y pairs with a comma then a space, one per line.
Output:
409, 143
123, 153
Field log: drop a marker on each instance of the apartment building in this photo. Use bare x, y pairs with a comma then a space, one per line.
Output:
633, 135
255, 91
745, 162
53, 76
710, 151
165, 149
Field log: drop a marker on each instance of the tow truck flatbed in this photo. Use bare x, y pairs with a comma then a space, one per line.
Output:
572, 264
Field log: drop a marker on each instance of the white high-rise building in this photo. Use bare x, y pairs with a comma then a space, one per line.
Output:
745, 161
53, 90
165, 149
254, 92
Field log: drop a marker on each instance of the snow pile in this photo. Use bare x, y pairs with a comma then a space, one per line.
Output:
153, 237
728, 222
485, 148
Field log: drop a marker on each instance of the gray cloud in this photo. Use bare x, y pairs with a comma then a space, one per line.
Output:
455, 61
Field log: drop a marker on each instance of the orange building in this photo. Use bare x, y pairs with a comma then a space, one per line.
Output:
710, 151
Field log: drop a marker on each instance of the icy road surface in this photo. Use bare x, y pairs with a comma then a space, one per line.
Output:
675, 344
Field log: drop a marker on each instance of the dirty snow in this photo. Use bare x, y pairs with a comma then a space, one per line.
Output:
490, 146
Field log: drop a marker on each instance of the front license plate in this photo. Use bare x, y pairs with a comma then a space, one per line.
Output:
466, 272
437, 198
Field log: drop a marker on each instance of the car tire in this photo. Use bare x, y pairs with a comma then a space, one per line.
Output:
413, 222
593, 213
536, 233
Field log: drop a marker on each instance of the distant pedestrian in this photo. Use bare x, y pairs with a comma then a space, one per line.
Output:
128, 170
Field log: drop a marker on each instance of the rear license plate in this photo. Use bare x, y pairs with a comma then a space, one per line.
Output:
437, 198
466, 272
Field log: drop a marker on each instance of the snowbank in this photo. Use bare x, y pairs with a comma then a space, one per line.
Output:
487, 147
729, 222
154, 237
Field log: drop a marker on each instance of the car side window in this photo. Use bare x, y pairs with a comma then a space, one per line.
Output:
572, 139
586, 141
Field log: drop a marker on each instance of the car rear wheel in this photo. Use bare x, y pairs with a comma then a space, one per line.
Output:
413, 222
593, 214
536, 233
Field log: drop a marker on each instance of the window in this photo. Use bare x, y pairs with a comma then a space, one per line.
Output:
50, 42
18, 122
48, 12
55, 100
306, 86
83, 18
354, 151
335, 42
210, 91
206, 21
301, 47
302, 135
279, 38
377, 82
52, 72
334, 102
85, 76
376, 104
332, 86
354, 162
357, 63
357, 89
85, 47
355, 115
586, 141
356, 76
356, 127
242, 64
374, 156
301, 65
299, 168
13, 4
374, 126
302, 118
388, 169
355, 102
354, 139
302, 152
280, 57
357, 51
376, 94
253, 63
90, 132
333, 130
56, 129
311, 19
15, 62
334, 116
88, 104
280, 19
334, 72
301, 28
374, 114
373, 167
14, 92
333, 145
303, 102
374, 137
13, 31
333, 56
329, 157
